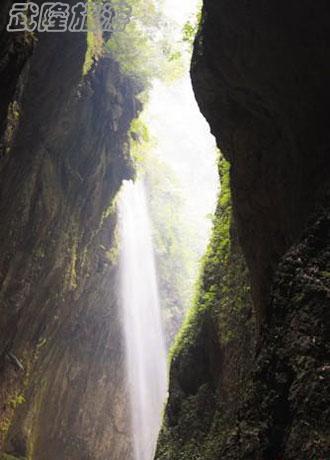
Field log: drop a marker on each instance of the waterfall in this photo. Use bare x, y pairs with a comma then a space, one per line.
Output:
145, 350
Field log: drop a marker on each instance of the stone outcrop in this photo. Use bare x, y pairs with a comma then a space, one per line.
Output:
64, 154
260, 74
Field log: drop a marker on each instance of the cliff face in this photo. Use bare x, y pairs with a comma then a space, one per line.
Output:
260, 73
64, 154
261, 78
213, 354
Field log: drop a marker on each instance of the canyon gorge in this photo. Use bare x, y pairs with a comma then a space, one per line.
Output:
248, 370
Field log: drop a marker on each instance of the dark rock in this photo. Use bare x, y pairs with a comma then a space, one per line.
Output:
261, 76
260, 72
60, 173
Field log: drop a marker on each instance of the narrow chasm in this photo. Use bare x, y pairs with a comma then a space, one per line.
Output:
165, 230
104, 224
249, 372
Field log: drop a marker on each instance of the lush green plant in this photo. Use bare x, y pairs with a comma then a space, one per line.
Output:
174, 240
141, 142
94, 42
190, 28
199, 421
144, 48
16, 400
207, 290
145, 52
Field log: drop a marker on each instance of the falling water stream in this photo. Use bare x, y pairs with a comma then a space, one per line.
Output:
145, 350
185, 144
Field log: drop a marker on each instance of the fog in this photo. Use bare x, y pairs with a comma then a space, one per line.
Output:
183, 136
185, 143
141, 313
180, 11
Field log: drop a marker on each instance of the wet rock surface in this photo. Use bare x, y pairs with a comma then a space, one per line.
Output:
260, 73
60, 170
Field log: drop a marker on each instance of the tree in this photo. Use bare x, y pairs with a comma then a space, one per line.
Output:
144, 48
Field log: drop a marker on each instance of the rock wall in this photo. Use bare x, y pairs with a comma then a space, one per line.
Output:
260, 72
64, 153
213, 356
260, 75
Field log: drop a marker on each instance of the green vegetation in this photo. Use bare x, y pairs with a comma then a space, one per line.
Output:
174, 243
190, 28
145, 49
94, 50
94, 43
16, 400
13, 119
207, 292
4, 426
174, 240
199, 418
71, 275
141, 143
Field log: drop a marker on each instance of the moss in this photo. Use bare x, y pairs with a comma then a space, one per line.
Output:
93, 52
212, 355
17, 391
263, 406
325, 274
13, 119
94, 44
141, 142
110, 211
217, 255
113, 253
71, 275
10, 457
4, 426
35, 410
73, 270
73, 263
16, 400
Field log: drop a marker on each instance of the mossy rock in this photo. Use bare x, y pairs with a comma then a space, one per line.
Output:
10, 457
